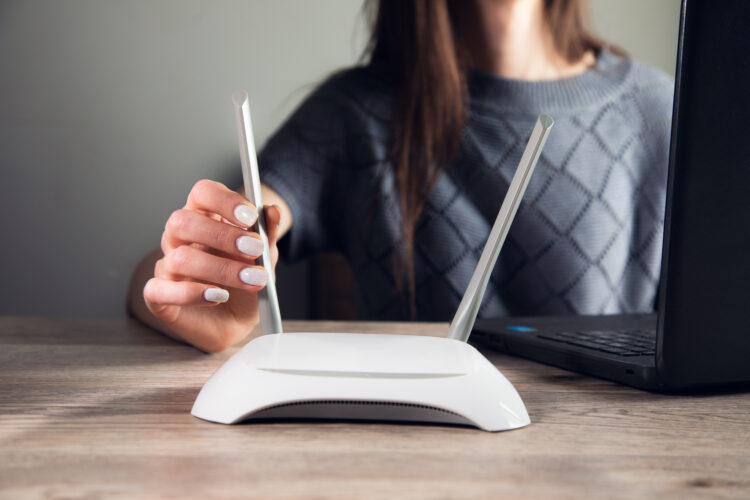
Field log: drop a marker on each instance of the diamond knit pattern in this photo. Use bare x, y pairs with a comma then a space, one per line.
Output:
586, 239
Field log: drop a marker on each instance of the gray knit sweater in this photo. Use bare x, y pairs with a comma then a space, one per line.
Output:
586, 240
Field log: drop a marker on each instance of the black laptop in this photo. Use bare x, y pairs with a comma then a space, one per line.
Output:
701, 333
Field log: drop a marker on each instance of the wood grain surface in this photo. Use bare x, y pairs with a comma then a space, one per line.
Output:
99, 409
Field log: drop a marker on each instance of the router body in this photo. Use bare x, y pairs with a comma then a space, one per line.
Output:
361, 376
369, 376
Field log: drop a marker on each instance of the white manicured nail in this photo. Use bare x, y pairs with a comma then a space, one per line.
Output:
216, 295
254, 276
249, 245
246, 215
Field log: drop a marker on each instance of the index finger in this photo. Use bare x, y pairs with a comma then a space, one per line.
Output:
215, 197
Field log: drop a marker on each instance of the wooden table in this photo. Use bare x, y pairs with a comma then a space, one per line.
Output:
95, 409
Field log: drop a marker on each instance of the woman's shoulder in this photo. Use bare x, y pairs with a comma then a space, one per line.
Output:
371, 78
359, 93
343, 122
652, 80
648, 88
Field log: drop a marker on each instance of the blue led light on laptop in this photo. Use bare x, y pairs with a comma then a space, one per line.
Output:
520, 328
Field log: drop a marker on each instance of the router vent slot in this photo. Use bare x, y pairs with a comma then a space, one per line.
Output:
360, 410
354, 402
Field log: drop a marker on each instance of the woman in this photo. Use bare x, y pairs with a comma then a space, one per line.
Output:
401, 165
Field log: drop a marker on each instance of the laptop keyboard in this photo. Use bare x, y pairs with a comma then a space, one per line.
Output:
622, 343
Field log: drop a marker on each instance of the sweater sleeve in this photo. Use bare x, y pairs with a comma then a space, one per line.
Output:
321, 159
298, 162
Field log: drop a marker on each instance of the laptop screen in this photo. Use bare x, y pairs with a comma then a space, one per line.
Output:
705, 283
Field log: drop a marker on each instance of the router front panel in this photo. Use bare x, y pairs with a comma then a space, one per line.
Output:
468, 385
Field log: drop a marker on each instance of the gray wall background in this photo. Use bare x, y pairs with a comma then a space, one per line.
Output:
111, 110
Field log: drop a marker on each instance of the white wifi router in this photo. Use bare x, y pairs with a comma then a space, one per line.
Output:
369, 376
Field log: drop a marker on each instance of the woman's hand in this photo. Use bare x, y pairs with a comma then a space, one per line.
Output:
205, 288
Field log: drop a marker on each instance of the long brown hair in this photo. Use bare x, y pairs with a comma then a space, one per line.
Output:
424, 43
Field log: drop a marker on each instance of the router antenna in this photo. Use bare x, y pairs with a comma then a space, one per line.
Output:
268, 302
463, 321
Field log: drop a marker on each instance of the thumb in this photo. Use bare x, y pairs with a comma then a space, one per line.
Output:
273, 218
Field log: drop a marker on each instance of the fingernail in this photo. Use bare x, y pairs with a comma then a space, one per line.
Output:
245, 214
250, 246
254, 276
216, 295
